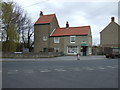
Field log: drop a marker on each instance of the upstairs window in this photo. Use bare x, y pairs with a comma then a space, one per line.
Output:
44, 38
56, 40
72, 39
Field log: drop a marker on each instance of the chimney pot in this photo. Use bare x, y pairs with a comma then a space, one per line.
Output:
112, 19
67, 24
41, 13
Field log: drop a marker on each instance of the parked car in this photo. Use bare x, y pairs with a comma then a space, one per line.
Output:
112, 52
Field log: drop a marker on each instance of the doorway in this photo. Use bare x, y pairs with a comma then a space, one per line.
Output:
84, 50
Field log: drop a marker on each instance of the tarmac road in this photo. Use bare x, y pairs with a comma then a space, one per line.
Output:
61, 72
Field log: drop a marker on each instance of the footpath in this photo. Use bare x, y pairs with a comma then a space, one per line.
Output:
62, 58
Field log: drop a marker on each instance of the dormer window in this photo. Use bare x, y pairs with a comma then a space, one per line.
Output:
72, 39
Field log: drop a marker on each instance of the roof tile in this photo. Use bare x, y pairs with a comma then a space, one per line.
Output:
45, 19
83, 30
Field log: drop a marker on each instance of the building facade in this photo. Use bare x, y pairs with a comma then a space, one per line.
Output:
110, 35
68, 40
42, 30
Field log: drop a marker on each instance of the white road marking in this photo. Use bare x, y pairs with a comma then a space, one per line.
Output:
88, 68
60, 69
45, 70
12, 71
101, 68
108, 66
112, 66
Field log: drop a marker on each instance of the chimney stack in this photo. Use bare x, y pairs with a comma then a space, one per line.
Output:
41, 13
112, 19
67, 25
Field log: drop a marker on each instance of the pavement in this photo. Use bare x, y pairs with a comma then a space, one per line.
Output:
62, 58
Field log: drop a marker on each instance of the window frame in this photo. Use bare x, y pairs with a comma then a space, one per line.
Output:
72, 49
71, 39
44, 38
56, 39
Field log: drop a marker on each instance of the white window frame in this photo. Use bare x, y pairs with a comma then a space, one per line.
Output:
56, 40
71, 39
44, 38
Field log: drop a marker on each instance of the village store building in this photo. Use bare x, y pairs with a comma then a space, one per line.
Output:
49, 37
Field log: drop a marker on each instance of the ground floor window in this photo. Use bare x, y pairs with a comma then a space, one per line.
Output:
72, 49
56, 49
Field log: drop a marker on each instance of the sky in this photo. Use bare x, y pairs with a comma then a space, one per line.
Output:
96, 13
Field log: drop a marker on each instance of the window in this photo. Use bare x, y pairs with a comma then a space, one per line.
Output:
72, 39
44, 38
72, 49
56, 49
56, 40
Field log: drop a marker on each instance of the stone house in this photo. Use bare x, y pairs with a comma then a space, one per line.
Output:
110, 35
68, 40
42, 30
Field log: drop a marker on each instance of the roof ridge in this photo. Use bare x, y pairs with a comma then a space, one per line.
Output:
48, 14
75, 27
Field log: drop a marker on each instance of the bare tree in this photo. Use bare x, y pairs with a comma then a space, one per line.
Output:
17, 25
27, 34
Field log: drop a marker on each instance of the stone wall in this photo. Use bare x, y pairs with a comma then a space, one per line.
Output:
31, 55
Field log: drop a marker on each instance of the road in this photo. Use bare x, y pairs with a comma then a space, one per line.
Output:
61, 72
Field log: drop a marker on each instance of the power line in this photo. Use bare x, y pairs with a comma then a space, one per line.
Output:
36, 3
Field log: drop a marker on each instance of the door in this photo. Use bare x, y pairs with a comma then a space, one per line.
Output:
84, 50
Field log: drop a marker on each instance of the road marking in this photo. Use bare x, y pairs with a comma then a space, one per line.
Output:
45, 70
101, 68
60, 69
112, 66
12, 71
88, 68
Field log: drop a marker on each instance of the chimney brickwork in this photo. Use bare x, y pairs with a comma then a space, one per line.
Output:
67, 24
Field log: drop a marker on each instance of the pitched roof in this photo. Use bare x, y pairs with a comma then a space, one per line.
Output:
83, 30
45, 19
111, 25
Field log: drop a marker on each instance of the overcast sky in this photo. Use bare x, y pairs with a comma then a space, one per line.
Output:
97, 13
